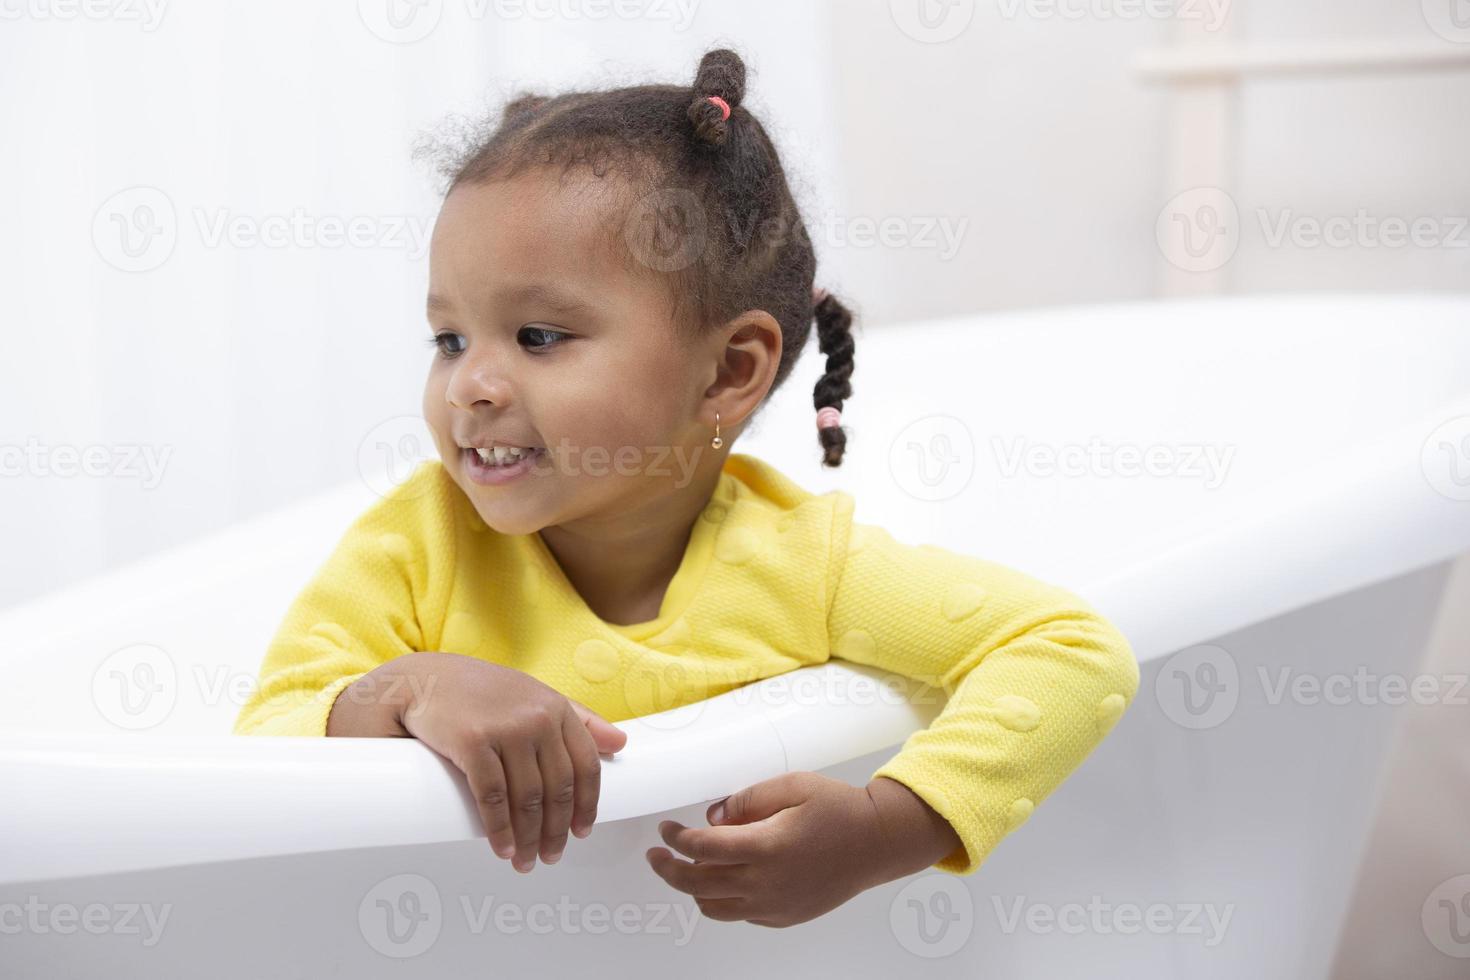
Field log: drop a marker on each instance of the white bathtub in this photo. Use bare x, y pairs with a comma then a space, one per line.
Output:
138, 838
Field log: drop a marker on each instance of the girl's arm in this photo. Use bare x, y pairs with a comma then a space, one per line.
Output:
374, 599
1034, 678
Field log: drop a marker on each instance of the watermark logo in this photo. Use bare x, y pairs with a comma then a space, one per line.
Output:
1198, 687
136, 687
932, 21
933, 916
401, 916
1445, 917
1445, 458
661, 689
933, 458
400, 21
136, 229
392, 451
1198, 230
667, 230
1450, 19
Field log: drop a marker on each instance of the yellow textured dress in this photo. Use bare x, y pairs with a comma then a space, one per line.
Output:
773, 578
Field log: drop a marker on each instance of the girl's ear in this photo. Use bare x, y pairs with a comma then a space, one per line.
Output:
747, 356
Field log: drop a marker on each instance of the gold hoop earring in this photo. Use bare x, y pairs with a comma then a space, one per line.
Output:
717, 442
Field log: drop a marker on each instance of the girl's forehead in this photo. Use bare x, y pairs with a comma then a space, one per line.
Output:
534, 219
517, 230
537, 229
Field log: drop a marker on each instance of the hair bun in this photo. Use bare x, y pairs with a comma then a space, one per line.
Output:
721, 73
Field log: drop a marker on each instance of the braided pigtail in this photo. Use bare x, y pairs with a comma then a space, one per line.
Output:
834, 338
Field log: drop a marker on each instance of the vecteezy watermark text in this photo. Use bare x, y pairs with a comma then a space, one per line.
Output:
402, 916
122, 461
1096, 458
95, 918
147, 14
1203, 919
138, 228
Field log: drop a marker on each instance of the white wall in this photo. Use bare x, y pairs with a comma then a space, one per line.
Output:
1026, 160
253, 372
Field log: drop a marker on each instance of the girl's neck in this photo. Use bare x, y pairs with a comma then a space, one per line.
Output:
622, 568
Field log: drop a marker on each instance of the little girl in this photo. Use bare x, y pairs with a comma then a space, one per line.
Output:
618, 279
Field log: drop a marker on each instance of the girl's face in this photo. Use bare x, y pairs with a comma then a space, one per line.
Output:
545, 340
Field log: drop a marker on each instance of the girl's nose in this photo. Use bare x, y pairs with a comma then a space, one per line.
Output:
477, 380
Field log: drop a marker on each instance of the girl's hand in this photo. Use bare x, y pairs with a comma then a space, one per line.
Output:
785, 850
530, 754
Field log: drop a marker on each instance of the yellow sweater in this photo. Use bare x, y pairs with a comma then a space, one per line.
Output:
773, 578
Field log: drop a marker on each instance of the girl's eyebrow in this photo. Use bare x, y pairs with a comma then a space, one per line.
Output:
549, 296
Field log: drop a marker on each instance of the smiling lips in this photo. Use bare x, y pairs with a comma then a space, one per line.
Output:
500, 465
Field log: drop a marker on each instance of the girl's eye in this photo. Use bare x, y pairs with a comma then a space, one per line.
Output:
538, 334
439, 340
450, 344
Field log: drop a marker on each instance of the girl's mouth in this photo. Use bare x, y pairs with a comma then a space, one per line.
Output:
494, 473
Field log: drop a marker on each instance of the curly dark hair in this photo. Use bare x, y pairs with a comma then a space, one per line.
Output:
706, 205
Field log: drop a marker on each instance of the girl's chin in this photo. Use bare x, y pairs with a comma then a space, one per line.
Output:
502, 521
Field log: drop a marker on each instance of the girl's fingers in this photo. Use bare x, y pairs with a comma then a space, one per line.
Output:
486, 778
699, 880
606, 736
524, 775
740, 844
559, 788
586, 774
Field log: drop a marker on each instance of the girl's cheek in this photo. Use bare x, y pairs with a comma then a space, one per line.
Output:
432, 407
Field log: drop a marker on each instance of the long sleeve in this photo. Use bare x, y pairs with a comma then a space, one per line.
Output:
1035, 676
361, 609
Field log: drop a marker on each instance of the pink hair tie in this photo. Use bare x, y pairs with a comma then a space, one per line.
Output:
818, 294
724, 106
828, 418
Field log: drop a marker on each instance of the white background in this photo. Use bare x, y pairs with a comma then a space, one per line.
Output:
254, 371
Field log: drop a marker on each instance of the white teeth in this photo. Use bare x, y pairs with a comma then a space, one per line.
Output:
501, 455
